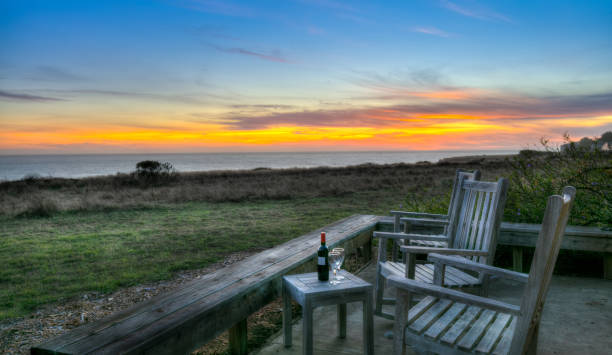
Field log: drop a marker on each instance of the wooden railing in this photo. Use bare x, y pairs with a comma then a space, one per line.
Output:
183, 320
523, 235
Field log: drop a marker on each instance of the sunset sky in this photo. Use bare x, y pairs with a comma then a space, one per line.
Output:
300, 75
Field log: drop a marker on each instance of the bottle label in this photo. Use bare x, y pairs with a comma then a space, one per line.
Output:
321, 261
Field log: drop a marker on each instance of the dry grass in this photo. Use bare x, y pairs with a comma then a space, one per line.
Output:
46, 196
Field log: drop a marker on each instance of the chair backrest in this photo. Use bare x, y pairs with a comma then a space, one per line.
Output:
475, 225
460, 174
544, 258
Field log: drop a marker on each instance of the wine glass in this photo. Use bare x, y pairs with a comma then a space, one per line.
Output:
338, 262
333, 258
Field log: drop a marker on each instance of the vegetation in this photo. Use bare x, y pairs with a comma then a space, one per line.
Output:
60, 238
538, 174
73, 250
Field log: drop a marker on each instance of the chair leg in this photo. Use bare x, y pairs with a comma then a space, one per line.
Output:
533, 345
401, 314
380, 289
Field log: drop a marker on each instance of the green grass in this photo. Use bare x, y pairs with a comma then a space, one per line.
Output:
70, 253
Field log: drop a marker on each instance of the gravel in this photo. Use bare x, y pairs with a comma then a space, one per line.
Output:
18, 335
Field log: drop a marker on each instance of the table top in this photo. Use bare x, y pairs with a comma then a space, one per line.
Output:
309, 283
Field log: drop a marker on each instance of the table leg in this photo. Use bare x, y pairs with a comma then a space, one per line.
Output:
287, 331
368, 325
342, 320
307, 328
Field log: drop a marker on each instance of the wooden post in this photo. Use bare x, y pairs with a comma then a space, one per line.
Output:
607, 266
341, 314
517, 259
238, 338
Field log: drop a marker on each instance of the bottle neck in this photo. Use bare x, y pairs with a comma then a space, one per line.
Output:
322, 238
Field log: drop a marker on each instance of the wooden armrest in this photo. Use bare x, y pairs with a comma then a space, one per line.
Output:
454, 295
419, 215
464, 263
426, 221
427, 250
410, 236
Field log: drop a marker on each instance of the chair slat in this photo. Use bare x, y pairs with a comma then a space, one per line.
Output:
450, 337
489, 225
431, 315
445, 321
465, 278
420, 307
480, 243
503, 346
475, 222
493, 334
468, 341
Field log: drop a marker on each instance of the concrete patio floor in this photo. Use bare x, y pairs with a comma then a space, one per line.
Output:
577, 319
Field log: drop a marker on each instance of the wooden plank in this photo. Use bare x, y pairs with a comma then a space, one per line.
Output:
493, 333
526, 234
451, 336
238, 338
504, 344
185, 319
445, 321
464, 278
468, 341
432, 314
419, 308
455, 295
463, 263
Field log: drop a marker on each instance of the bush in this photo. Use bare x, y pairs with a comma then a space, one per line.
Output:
152, 171
536, 176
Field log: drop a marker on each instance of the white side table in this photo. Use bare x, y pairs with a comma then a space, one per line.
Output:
310, 293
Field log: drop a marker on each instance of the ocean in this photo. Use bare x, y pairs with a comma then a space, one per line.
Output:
15, 167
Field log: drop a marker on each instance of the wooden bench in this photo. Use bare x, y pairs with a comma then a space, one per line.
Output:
183, 320
524, 235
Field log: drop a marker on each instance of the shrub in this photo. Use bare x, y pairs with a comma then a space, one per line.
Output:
152, 171
536, 176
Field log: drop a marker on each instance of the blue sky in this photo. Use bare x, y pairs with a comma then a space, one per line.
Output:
206, 75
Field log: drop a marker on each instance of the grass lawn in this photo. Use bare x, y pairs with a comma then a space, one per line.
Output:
70, 253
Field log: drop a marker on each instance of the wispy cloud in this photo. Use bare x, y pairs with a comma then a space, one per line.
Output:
432, 31
478, 13
12, 96
504, 109
274, 56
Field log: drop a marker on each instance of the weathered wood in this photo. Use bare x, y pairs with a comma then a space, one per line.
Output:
183, 320
308, 291
543, 263
427, 250
517, 259
472, 232
526, 234
238, 338
474, 266
486, 326
451, 294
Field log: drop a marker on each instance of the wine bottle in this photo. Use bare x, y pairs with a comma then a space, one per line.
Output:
322, 260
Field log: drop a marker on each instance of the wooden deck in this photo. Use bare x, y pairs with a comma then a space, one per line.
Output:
577, 319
